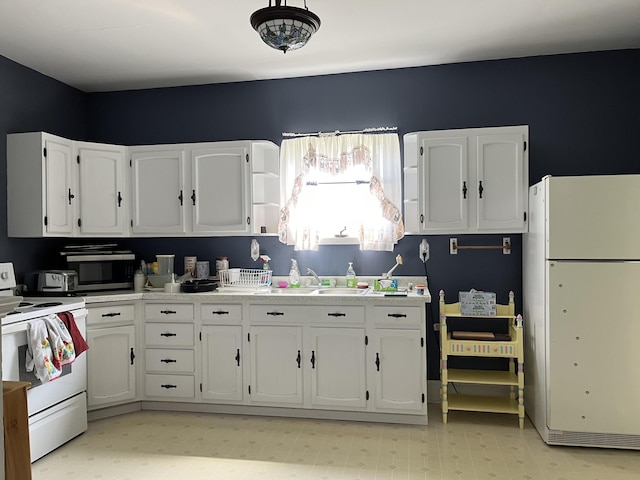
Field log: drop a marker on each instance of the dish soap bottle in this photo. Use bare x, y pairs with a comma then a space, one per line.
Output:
351, 276
294, 275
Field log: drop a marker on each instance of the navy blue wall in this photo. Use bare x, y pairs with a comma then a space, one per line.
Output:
583, 112
30, 101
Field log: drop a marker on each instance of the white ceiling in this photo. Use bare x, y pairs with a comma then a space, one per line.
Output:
103, 45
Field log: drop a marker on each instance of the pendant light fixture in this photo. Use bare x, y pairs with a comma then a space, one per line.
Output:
283, 27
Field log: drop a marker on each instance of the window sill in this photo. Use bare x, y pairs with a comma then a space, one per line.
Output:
339, 241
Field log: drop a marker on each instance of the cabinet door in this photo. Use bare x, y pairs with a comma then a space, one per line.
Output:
110, 363
158, 191
399, 361
103, 202
336, 360
60, 195
276, 365
222, 362
501, 186
445, 184
219, 195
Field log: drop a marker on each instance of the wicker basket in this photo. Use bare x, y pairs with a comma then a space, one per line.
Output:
245, 277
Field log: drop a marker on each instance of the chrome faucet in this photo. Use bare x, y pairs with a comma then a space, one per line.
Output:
315, 275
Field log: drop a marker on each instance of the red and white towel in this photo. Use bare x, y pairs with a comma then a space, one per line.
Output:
53, 341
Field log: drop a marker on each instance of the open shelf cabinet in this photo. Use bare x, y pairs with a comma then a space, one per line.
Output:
512, 349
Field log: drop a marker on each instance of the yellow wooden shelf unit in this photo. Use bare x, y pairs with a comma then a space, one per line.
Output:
513, 349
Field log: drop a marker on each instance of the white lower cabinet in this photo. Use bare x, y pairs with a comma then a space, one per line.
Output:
276, 365
222, 363
169, 334
310, 356
337, 365
111, 373
368, 359
111, 358
398, 359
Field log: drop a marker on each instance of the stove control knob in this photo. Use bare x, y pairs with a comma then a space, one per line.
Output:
4, 275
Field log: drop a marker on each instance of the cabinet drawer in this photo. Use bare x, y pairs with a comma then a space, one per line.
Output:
220, 313
397, 315
110, 314
308, 314
339, 313
170, 312
169, 334
170, 361
182, 386
279, 313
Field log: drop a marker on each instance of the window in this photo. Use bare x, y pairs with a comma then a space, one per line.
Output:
341, 189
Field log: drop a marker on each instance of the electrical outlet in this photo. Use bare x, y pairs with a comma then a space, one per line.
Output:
424, 250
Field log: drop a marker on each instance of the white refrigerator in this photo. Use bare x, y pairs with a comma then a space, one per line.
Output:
581, 278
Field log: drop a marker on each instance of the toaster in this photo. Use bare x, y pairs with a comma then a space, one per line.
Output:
47, 281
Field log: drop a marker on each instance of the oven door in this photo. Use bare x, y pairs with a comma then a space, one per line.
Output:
42, 395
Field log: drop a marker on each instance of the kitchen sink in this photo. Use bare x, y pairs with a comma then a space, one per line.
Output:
286, 291
312, 291
340, 291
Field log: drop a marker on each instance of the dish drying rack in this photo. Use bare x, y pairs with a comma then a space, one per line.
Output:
245, 278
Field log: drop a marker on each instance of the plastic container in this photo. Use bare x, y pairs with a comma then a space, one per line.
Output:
294, 275
352, 282
139, 280
165, 264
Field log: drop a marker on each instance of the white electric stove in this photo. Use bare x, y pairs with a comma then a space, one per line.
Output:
57, 409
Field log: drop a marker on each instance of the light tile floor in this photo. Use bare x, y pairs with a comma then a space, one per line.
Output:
193, 446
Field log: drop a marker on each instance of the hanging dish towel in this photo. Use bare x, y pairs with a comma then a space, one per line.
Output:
39, 357
62, 347
79, 342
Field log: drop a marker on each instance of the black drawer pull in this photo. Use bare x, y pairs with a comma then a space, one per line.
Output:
313, 359
168, 312
275, 314
298, 359
336, 314
168, 360
112, 314
377, 361
396, 315
132, 356
220, 312
168, 334
167, 386
238, 357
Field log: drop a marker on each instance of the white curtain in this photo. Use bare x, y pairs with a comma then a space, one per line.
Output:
377, 157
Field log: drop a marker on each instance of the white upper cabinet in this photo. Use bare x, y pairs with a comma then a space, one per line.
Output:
466, 181
59, 190
220, 189
103, 203
58, 187
64, 188
40, 193
205, 188
158, 190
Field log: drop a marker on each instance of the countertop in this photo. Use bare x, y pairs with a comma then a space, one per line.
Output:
228, 294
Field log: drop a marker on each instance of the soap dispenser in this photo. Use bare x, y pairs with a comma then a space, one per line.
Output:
351, 276
294, 274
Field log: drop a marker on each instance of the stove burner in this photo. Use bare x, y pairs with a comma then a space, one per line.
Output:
47, 304
24, 304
